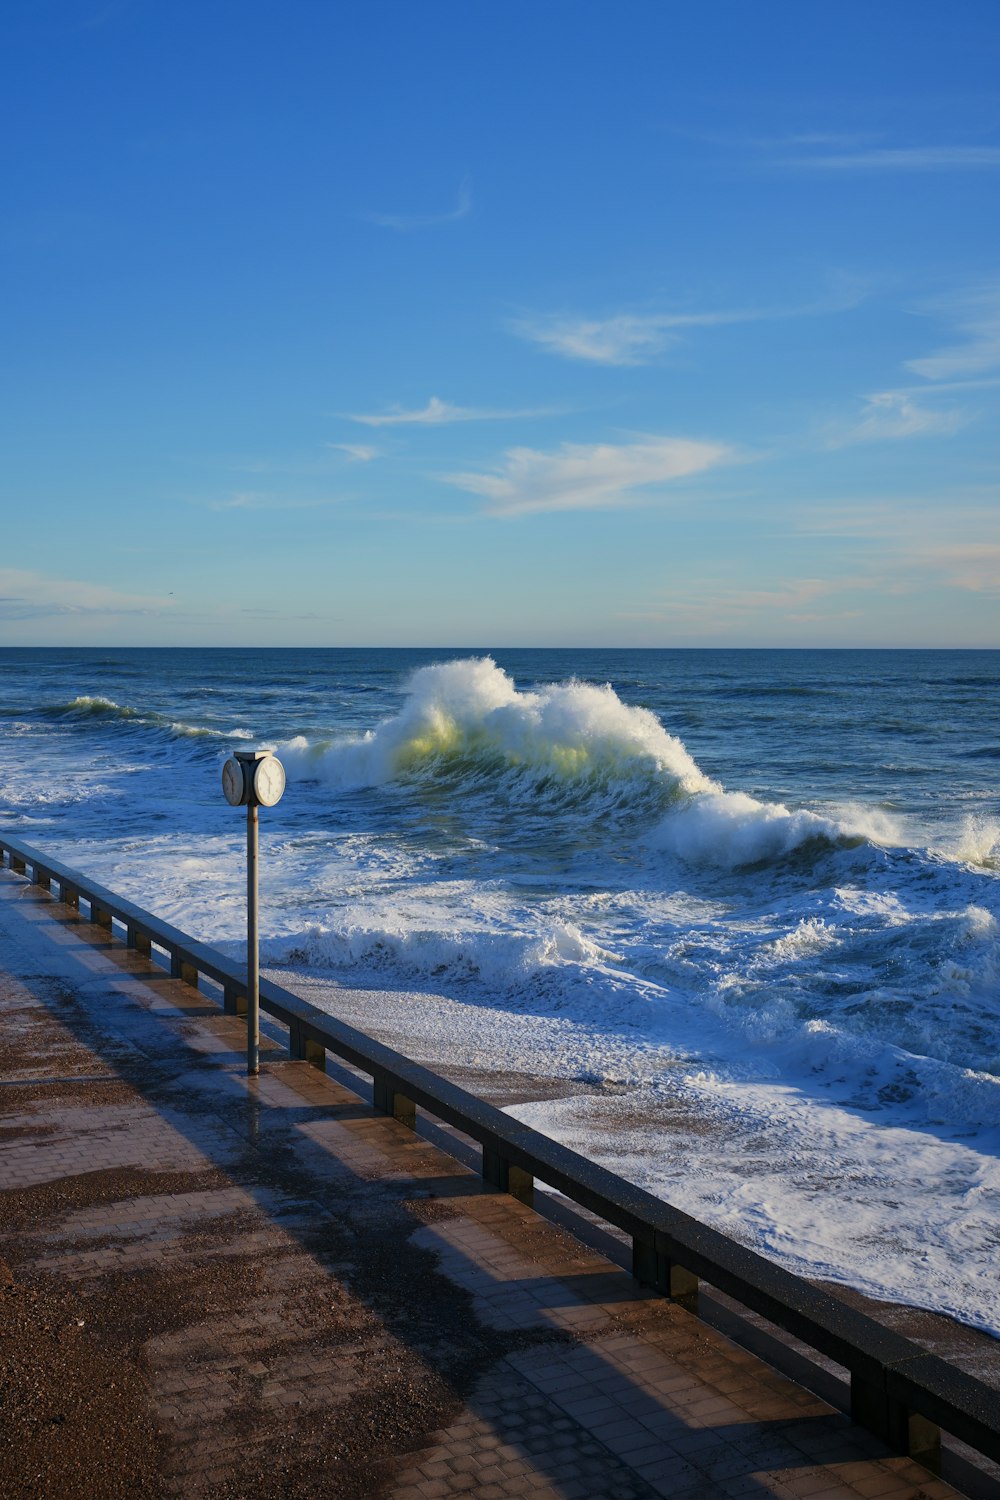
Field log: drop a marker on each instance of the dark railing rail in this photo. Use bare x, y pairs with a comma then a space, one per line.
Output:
898, 1390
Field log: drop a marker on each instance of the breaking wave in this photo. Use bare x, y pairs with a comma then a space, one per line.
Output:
102, 711
96, 707
566, 746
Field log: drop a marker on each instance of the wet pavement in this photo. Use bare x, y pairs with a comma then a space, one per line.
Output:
219, 1287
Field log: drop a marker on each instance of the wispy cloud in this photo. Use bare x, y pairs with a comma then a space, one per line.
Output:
788, 141
636, 338
623, 339
26, 595
976, 315
834, 151
970, 512
897, 159
261, 612
951, 540
716, 596
971, 566
891, 415
715, 606
103, 16
362, 453
405, 222
581, 476
265, 500
439, 413
841, 139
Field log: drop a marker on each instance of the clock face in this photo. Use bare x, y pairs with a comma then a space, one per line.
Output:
268, 781
232, 782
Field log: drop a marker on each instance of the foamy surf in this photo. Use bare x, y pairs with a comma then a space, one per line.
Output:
764, 885
572, 743
466, 720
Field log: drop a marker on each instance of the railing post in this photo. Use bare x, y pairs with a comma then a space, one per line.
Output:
137, 940
315, 1055
304, 1049
924, 1442
182, 968
506, 1177
654, 1268
234, 1000
388, 1102
16, 864
68, 894
890, 1419
99, 916
874, 1408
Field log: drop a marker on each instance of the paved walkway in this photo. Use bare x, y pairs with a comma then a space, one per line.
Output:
265, 1289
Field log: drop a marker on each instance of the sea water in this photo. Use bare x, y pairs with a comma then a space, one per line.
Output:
754, 891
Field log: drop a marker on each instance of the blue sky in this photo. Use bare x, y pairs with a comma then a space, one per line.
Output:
464, 323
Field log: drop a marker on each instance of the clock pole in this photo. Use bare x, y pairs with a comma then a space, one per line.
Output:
253, 944
252, 779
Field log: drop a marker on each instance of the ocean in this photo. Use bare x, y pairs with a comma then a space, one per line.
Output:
742, 904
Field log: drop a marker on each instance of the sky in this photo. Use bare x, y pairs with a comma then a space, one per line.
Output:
464, 323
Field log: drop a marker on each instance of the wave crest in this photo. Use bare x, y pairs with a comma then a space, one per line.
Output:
568, 746
94, 707
466, 719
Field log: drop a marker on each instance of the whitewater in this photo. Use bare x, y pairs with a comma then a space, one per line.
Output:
743, 906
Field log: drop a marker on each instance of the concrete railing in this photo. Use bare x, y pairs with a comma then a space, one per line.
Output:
899, 1391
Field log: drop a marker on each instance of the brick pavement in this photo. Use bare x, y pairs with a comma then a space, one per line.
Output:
320, 1302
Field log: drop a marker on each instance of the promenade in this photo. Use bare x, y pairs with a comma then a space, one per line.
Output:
219, 1287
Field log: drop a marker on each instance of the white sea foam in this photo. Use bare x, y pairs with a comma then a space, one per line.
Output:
898, 1212
468, 721
469, 714
549, 876
733, 829
978, 843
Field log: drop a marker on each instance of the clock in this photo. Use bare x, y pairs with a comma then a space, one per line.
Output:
268, 781
234, 783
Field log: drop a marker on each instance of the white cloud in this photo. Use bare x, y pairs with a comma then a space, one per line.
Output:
714, 606
972, 566
889, 415
869, 519
951, 539
438, 413
267, 500
629, 338
970, 513
28, 595
624, 339
900, 159
363, 453
805, 138
718, 598
582, 476
404, 222
976, 314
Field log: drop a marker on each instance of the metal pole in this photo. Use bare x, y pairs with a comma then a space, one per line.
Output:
253, 955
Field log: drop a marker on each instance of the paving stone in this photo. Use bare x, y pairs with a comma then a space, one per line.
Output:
620, 1393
